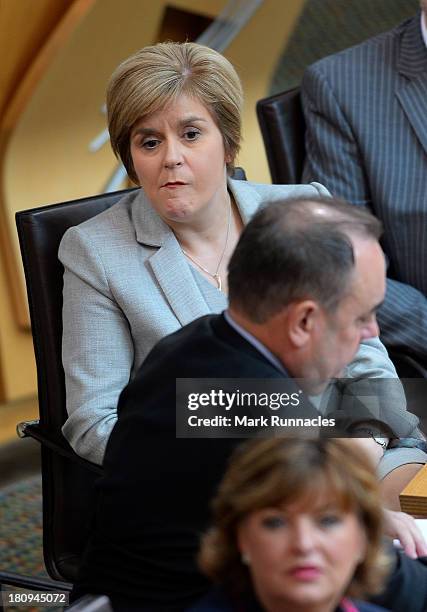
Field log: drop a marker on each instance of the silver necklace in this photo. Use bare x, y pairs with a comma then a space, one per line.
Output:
215, 274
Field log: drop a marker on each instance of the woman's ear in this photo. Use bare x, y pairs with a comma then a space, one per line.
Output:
303, 320
245, 558
228, 156
242, 544
363, 546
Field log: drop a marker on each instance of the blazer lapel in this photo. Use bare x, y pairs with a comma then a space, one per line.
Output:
168, 263
177, 282
412, 90
246, 197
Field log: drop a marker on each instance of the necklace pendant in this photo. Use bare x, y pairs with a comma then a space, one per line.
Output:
218, 280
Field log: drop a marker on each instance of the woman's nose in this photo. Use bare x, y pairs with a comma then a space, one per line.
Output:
302, 537
173, 154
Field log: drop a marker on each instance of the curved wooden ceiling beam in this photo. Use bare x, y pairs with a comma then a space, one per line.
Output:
14, 108
24, 28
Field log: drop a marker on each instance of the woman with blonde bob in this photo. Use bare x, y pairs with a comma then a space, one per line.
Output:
158, 259
297, 528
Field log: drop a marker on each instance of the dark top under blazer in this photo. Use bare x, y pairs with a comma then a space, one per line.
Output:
218, 601
366, 141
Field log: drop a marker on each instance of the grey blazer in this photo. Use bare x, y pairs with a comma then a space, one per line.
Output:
366, 140
126, 285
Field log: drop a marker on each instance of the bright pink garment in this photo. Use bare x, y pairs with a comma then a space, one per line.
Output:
347, 606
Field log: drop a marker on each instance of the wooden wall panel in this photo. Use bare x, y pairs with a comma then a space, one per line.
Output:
30, 34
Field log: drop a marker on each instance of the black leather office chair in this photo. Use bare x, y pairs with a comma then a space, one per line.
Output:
67, 479
282, 126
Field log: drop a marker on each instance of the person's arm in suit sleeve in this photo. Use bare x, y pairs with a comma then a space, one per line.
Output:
333, 158
97, 347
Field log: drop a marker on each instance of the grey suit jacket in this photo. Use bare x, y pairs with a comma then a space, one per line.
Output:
127, 284
366, 140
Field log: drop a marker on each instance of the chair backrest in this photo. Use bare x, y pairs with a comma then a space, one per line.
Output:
67, 484
40, 231
283, 128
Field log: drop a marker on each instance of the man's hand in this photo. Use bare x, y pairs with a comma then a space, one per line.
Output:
403, 527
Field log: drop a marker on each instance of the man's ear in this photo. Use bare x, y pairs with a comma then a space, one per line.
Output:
303, 319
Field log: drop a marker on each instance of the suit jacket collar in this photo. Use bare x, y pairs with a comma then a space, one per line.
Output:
168, 262
412, 59
226, 332
411, 91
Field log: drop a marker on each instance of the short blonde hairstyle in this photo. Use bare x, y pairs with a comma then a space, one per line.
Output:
269, 473
155, 76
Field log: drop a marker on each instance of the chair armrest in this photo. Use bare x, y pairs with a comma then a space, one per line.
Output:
59, 445
31, 582
24, 429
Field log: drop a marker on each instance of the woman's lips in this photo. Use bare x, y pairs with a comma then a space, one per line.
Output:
306, 573
173, 184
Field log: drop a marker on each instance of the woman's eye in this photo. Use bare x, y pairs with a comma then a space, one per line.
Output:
273, 522
329, 520
191, 134
150, 144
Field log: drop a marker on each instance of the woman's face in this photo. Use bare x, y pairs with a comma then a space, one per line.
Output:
301, 557
179, 158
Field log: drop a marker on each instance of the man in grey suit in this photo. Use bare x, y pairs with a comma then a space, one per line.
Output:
366, 141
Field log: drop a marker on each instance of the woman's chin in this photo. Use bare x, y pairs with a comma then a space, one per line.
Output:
175, 210
178, 215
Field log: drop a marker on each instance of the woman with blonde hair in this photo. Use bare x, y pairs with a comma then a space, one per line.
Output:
297, 528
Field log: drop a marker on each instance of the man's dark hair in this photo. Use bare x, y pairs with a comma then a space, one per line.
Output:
296, 249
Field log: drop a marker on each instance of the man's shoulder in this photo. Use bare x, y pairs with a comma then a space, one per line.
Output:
184, 338
204, 349
365, 54
207, 347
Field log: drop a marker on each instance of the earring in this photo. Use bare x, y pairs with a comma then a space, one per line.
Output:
245, 559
